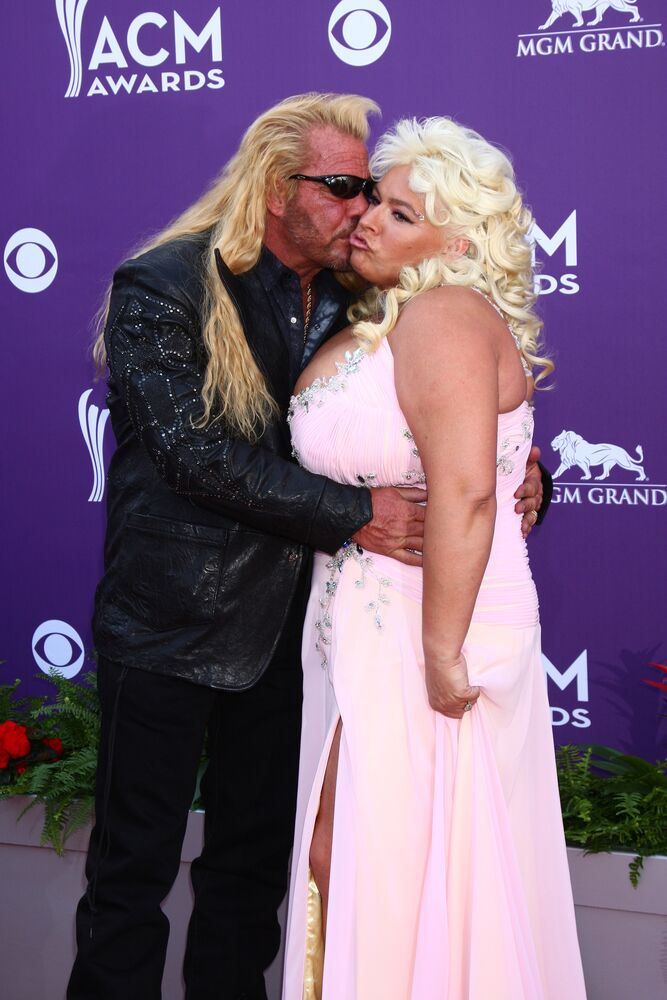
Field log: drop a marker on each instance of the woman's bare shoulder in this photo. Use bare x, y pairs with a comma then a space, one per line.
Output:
456, 300
445, 315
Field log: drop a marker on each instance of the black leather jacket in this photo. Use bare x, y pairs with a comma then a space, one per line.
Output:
208, 537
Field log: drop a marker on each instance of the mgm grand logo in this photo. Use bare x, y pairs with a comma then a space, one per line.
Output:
574, 34
583, 458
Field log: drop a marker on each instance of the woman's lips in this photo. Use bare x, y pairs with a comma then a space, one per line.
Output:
358, 242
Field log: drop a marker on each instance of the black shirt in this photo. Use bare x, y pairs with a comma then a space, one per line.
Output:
282, 289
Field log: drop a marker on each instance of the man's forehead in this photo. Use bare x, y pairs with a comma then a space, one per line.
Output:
329, 151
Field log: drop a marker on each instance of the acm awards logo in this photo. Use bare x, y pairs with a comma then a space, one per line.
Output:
93, 422
572, 33
138, 47
359, 33
595, 463
577, 674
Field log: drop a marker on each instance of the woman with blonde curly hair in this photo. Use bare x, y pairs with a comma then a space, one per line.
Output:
430, 860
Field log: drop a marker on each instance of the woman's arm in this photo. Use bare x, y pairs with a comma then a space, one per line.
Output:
447, 385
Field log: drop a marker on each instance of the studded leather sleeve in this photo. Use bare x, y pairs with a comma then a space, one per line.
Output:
547, 493
157, 366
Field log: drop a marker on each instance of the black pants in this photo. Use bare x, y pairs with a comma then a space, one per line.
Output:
153, 730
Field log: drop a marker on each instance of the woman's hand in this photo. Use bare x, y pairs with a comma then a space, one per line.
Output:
448, 688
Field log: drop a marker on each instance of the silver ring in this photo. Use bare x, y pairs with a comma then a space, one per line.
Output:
467, 707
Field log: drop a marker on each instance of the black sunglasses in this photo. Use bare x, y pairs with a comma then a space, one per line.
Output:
345, 186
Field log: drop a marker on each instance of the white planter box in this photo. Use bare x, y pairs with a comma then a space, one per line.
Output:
40, 892
622, 931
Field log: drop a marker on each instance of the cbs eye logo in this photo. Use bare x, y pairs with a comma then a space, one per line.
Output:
359, 31
57, 646
31, 260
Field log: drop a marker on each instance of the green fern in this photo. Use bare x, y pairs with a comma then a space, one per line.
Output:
64, 787
613, 801
19, 710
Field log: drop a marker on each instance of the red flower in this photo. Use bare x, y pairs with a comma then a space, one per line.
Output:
55, 744
13, 739
4, 758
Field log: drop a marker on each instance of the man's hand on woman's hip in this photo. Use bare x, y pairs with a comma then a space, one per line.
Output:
397, 526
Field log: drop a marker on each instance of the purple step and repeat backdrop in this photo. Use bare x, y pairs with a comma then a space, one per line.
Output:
119, 112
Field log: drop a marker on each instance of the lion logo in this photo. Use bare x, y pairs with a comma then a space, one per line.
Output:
575, 451
577, 8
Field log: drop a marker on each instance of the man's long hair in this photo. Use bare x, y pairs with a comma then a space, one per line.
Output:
234, 208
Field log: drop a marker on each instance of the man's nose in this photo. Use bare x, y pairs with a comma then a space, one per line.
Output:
357, 206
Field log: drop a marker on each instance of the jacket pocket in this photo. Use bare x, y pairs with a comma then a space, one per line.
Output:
167, 573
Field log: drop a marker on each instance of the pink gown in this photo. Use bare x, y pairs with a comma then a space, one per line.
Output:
449, 877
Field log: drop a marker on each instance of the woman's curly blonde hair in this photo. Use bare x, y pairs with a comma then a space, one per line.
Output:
469, 188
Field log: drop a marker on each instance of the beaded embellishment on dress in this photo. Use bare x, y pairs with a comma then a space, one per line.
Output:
330, 383
509, 445
324, 624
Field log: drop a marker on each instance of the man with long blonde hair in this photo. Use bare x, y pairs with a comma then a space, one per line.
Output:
199, 613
